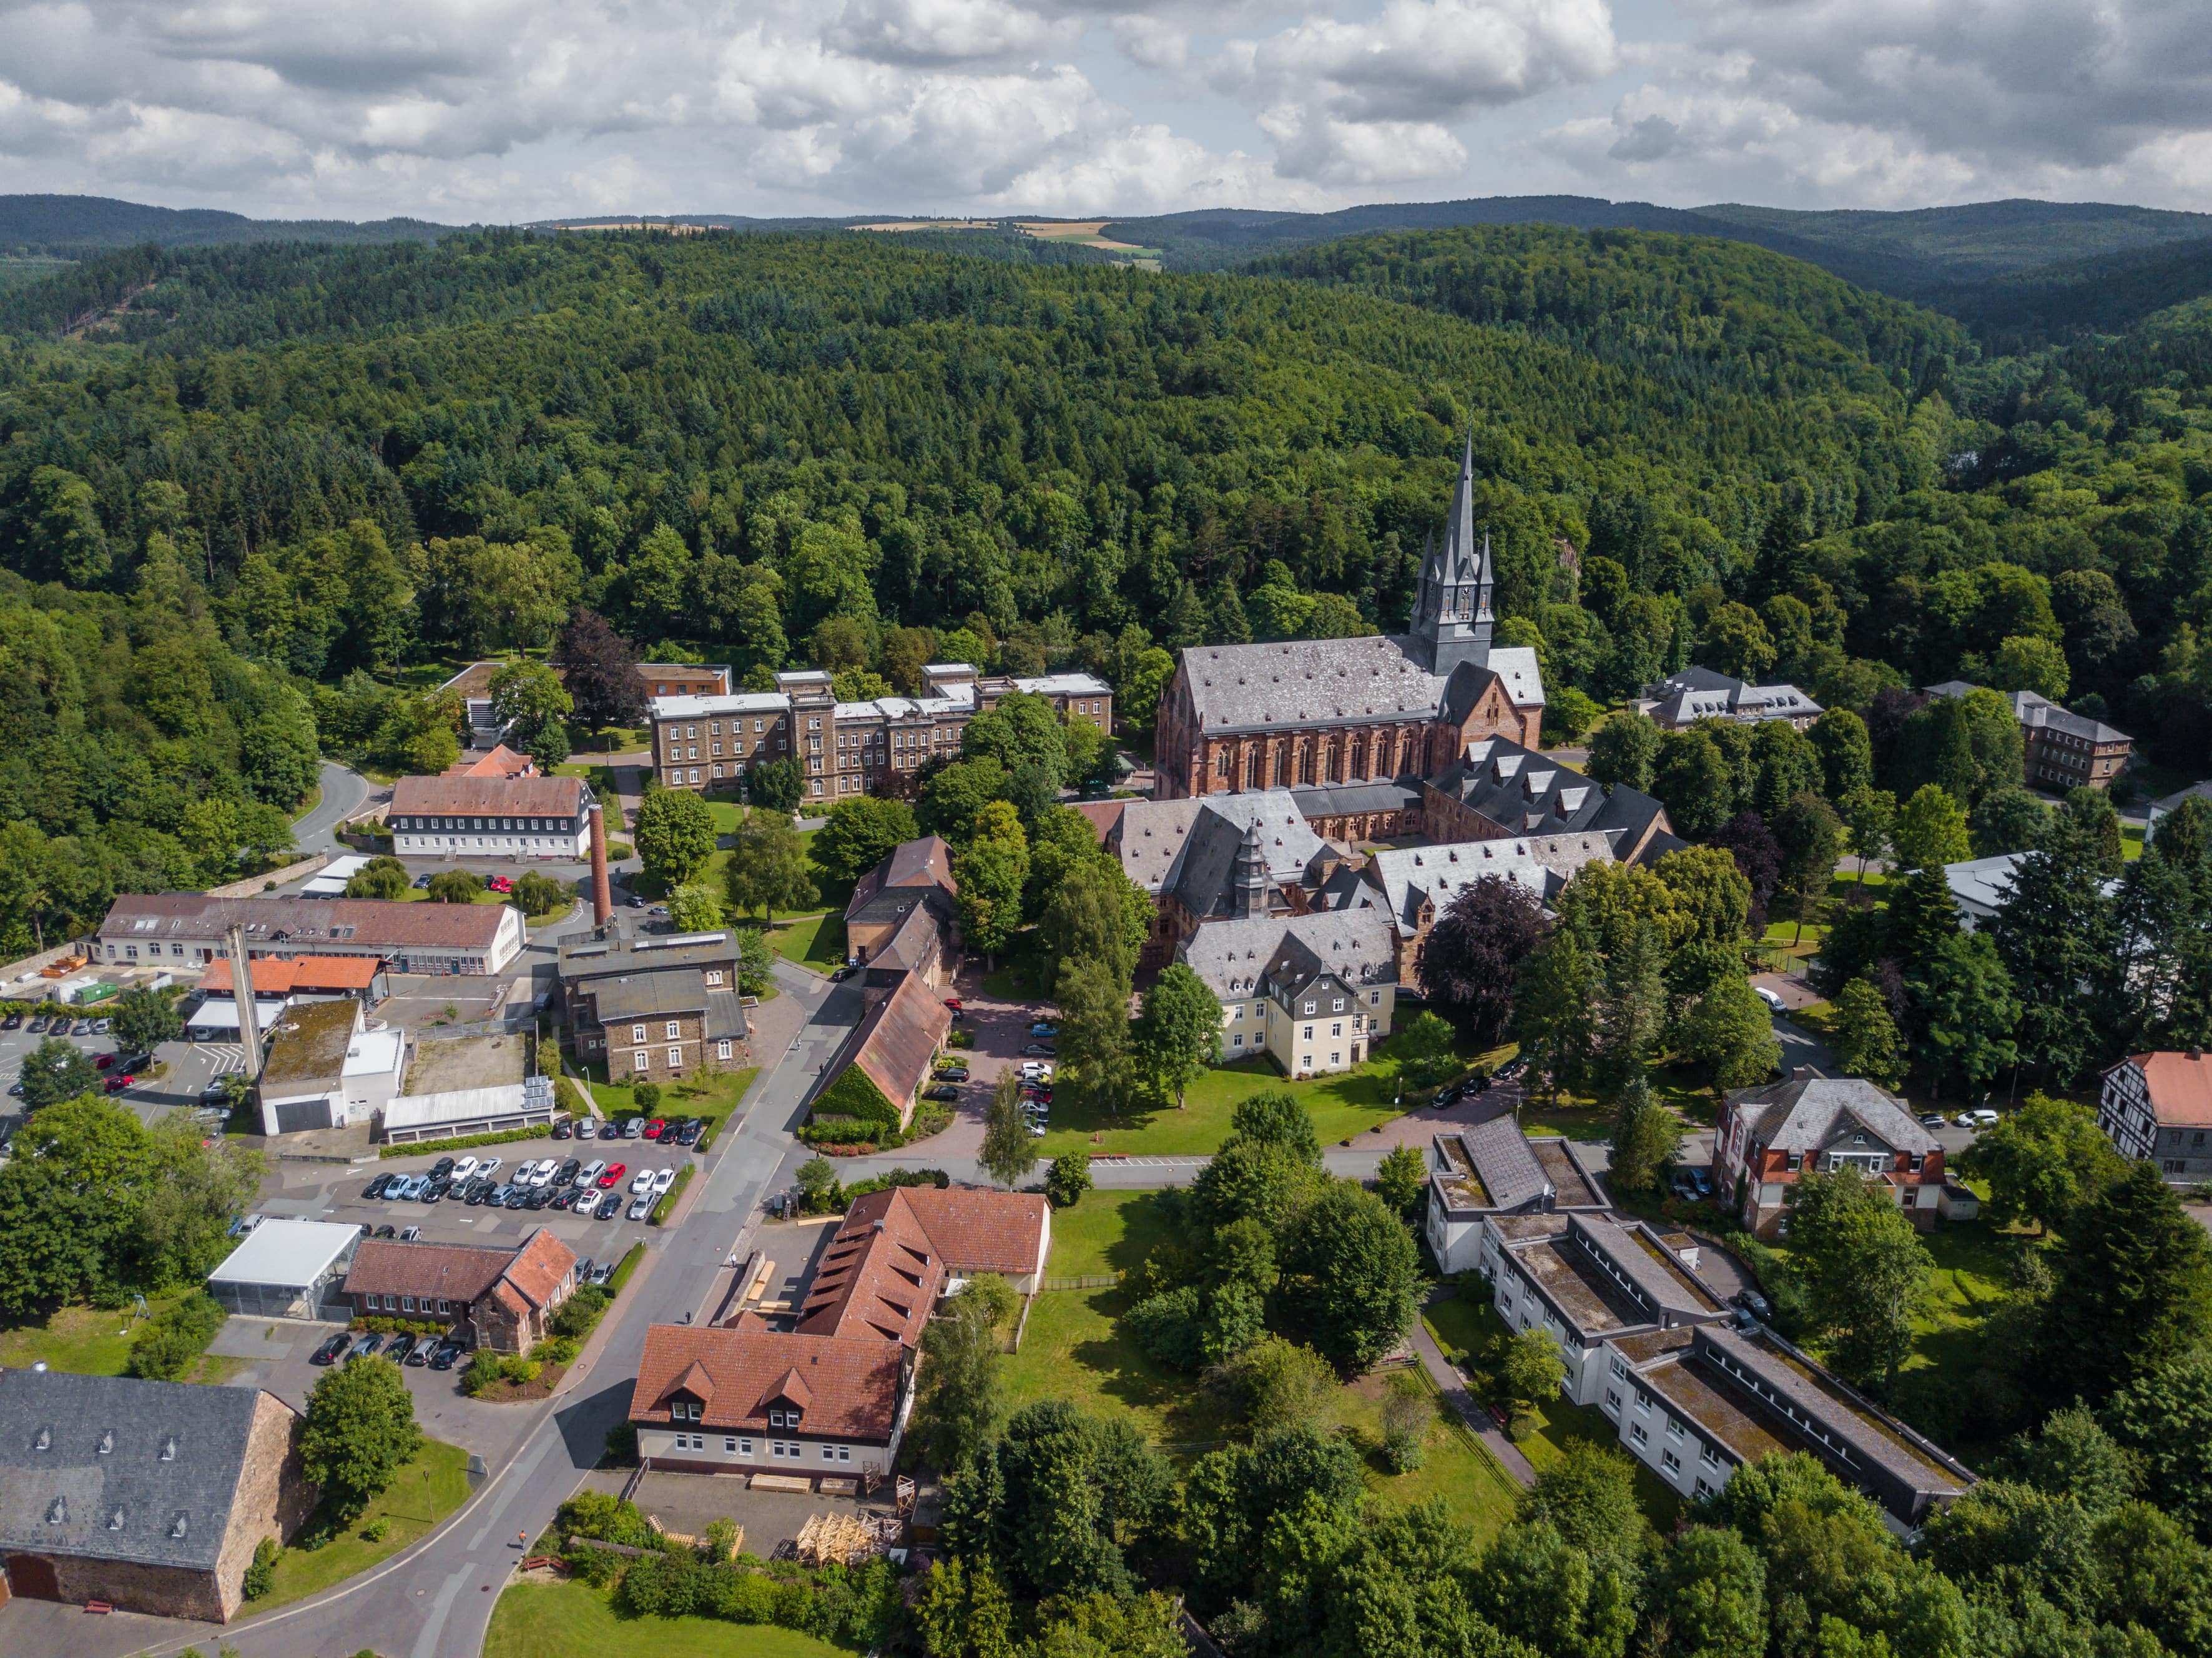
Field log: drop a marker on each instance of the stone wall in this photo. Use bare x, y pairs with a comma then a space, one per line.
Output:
255, 887
273, 1497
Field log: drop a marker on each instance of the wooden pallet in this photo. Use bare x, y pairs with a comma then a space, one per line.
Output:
798, 1483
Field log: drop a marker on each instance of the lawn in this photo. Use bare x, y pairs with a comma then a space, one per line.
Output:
817, 941
1342, 1104
92, 1341
714, 1097
427, 1490
574, 1620
1070, 1350
1545, 1432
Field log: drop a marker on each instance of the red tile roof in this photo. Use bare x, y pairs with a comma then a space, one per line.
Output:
488, 797
2180, 1085
924, 863
981, 1231
880, 1276
845, 1386
540, 1266
897, 1037
1105, 815
502, 762
272, 977
524, 1278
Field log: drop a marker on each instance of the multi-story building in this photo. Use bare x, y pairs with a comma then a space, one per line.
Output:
2060, 750
1316, 713
2160, 1105
904, 913
492, 1295
1583, 1279
1219, 858
454, 816
166, 929
1681, 699
1498, 790
1313, 993
845, 749
652, 1006
1771, 1137
1694, 1403
1411, 887
1493, 1168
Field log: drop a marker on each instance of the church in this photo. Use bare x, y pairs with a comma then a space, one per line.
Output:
1352, 726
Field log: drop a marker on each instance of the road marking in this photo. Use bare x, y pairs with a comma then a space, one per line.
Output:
433, 1627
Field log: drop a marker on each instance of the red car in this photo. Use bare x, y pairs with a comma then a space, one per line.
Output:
953, 1003
613, 1175
105, 1061
655, 1129
119, 1082
501, 883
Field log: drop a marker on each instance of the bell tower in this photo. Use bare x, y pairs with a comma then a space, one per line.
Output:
1452, 618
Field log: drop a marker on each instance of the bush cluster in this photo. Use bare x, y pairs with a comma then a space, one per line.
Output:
463, 1143
169, 1343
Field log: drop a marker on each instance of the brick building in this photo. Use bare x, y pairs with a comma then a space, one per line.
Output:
1681, 699
1217, 857
1498, 790
1317, 713
897, 1041
172, 930
492, 1298
904, 912
150, 1496
513, 817
1768, 1137
653, 1007
2060, 750
874, 747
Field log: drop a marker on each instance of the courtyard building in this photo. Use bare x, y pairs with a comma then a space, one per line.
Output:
1771, 1137
1683, 699
905, 912
2159, 1105
1312, 993
2060, 750
491, 1297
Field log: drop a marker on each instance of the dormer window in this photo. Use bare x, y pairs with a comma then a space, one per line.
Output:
58, 1512
106, 1440
177, 1524
115, 1519
169, 1449
45, 1441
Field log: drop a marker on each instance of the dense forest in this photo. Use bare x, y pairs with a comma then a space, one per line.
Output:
361, 461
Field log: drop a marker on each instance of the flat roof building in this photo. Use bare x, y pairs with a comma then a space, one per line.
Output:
285, 1269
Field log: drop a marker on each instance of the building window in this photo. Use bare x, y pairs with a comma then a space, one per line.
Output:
673, 1031
675, 1058
716, 976
1374, 999
1620, 1368
722, 1050
1671, 1462
1237, 1040
1337, 1029
1308, 1036
1612, 1401
744, 1448
1636, 1432
1336, 1055
728, 1446
1337, 1006
407, 1303
637, 1032
641, 1061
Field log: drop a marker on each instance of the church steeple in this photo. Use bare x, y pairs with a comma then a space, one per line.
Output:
1247, 897
1451, 605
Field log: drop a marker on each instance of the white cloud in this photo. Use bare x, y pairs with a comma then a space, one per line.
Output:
524, 108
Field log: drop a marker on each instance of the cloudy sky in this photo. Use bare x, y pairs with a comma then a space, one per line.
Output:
503, 110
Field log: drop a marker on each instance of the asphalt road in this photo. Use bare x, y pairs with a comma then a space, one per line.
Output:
344, 793
435, 1601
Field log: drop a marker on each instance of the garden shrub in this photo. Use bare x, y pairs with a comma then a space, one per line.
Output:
377, 1529
172, 1342
484, 1370
579, 1315
261, 1575
1166, 1328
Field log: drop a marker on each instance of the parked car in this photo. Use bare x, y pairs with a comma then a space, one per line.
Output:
1983, 1118
408, 1234
387, 1230
480, 1191
438, 1190
587, 1128
103, 1061
1774, 1003
499, 1194
245, 1223
1753, 1303
689, 1133
1703, 1179
640, 1207
953, 1003
632, 1127
519, 1196
642, 1181
37, 1024
465, 1168
424, 1346
1931, 1119
398, 1348
544, 1177
500, 883
539, 1197
362, 1346
603, 1271
328, 1351
590, 1171
118, 1084
1041, 1028
564, 1129
1681, 1185
101, 1027
376, 1186
953, 1074
84, 1027
442, 1168
662, 1180
566, 1175
14, 1021
215, 1093
420, 881
942, 1091
444, 1358
1045, 1048
654, 1129
839, 975
610, 1176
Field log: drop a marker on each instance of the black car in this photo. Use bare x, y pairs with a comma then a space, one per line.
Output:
539, 1197
567, 1173
942, 1091
442, 1168
444, 1357
564, 1129
479, 1193
329, 1352
14, 1021
438, 1190
517, 1195
954, 1073
387, 1230
693, 1128
377, 1186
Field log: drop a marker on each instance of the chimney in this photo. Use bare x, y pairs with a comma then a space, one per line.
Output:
603, 902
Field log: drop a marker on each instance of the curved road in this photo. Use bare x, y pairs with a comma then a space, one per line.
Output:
344, 793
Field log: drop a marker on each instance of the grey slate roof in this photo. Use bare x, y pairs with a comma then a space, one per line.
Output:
1285, 953
1807, 1114
1701, 693
1337, 799
1302, 682
658, 995
1508, 1169
1409, 875
2036, 712
1524, 793
623, 946
1188, 847
1663, 1285
207, 1428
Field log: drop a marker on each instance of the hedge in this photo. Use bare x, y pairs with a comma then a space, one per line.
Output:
854, 1095
666, 1206
465, 1141
623, 1273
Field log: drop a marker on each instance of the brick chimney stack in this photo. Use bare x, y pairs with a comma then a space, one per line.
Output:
603, 901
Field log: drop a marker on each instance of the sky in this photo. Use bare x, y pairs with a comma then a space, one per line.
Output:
502, 111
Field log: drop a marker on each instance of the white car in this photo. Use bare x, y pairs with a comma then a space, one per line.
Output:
489, 1166
642, 1181
462, 1169
1774, 1003
640, 1207
662, 1180
1981, 1119
590, 1171
546, 1170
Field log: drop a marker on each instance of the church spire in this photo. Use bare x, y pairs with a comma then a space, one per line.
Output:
1452, 616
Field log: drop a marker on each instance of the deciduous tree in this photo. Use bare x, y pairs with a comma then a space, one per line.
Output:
1470, 960
768, 869
862, 832
360, 1433
2042, 1161
1179, 1030
1009, 1150
675, 834
1865, 1271
599, 669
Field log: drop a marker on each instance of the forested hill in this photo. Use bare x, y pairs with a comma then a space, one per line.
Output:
76, 223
